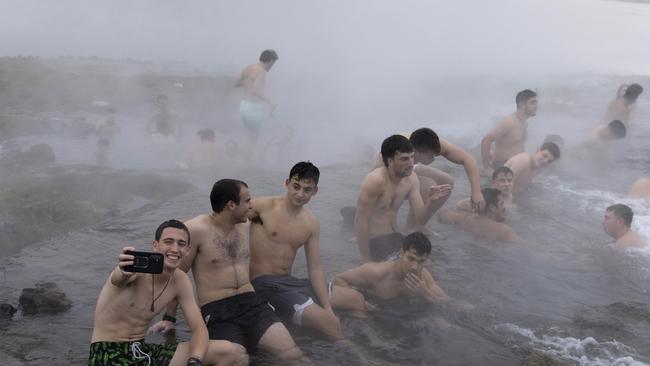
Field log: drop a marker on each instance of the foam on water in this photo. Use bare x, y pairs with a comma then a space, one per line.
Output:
587, 351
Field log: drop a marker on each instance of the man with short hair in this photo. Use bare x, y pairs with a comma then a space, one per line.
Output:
382, 193
129, 301
280, 226
617, 223
510, 135
502, 179
527, 166
219, 259
426, 146
487, 224
254, 103
623, 107
388, 280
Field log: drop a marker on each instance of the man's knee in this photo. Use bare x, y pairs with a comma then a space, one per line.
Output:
226, 353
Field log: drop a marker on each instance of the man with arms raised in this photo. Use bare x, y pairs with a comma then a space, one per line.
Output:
622, 108
382, 193
502, 179
527, 166
488, 224
280, 227
129, 301
426, 146
510, 135
219, 259
255, 103
617, 223
388, 280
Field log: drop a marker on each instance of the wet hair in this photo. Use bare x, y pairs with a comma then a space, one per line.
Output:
305, 170
632, 92
623, 212
424, 139
206, 134
268, 56
501, 170
393, 144
556, 139
523, 96
173, 224
617, 128
417, 241
491, 197
552, 148
225, 190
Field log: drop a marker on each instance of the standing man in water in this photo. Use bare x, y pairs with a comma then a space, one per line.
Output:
219, 259
382, 193
527, 166
126, 306
622, 108
510, 135
253, 105
617, 223
280, 227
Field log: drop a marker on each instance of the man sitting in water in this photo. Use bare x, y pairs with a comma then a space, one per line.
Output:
126, 306
510, 135
640, 188
622, 108
427, 145
617, 222
280, 226
388, 280
206, 152
488, 224
163, 126
252, 107
502, 179
527, 166
382, 193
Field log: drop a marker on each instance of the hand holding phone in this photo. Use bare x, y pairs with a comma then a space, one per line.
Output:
141, 262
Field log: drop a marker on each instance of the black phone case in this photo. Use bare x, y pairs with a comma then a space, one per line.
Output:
145, 262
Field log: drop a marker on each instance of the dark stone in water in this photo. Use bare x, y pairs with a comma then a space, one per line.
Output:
348, 214
536, 358
46, 298
7, 311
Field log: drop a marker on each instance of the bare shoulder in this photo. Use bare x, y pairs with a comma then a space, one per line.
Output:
376, 270
374, 181
263, 203
517, 159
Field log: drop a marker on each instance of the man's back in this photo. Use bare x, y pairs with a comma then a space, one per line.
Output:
220, 264
276, 236
253, 79
512, 135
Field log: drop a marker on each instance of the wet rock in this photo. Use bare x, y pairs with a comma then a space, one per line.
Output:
7, 311
45, 298
536, 358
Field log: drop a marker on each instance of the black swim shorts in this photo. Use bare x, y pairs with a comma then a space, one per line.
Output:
289, 296
386, 246
241, 319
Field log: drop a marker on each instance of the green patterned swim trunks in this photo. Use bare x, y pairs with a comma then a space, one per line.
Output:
135, 353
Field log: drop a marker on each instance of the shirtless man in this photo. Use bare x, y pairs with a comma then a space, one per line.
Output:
617, 222
622, 108
382, 193
488, 224
640, 188
502, 179
126, 306
527, 166
163, 126
219, 261
206, 153
280, 226
427, 145
388, 280
597, 143
510, 135
252, 107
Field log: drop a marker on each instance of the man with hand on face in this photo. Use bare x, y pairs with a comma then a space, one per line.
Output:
510, 135
388, 280
219, 259
129, 301
617, 223
527, 166
382, 193
280, 226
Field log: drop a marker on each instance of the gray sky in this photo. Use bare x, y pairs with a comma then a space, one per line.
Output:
400, 38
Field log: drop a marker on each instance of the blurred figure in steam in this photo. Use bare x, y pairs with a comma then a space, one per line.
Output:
206, 153
108, 128
510, 135
163, 127
622, 108
640, 188
617, 222
253, 105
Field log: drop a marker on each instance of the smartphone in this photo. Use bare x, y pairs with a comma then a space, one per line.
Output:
145, 262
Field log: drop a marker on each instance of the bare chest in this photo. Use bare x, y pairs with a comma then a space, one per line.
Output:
226, 248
